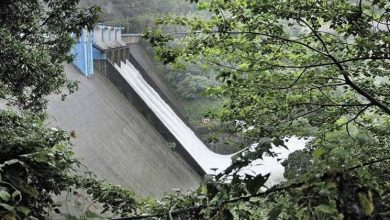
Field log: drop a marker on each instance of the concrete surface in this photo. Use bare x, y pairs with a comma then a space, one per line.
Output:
141, 55
207, 160
116, 142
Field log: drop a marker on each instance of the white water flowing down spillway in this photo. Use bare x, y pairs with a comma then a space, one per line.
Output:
206, 159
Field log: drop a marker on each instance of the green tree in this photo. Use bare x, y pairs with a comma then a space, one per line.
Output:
36, 162
297, 163
36, 37
313, 69
137, 16
191, 82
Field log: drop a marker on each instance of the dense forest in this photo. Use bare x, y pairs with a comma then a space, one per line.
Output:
137, 16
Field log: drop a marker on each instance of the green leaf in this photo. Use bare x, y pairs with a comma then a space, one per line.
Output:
253, 185
366, 202
5, 196
326, 209
318, 153
279, 142
26, 211
7, 207
274, 213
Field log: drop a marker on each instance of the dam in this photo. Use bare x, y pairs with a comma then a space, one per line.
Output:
125, 121
116, 142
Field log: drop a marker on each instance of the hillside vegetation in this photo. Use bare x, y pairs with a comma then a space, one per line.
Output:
137, 15
189, 81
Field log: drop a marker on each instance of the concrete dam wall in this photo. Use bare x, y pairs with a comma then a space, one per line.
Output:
126, 121
191, 147
115, 141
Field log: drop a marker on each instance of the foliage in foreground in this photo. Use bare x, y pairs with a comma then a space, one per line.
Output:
36, 162
36, 37
312, 69
315, 69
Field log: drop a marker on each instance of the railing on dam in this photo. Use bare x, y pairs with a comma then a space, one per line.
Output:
131, 38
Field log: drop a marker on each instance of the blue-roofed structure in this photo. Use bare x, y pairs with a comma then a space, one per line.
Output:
104, 42
82, 51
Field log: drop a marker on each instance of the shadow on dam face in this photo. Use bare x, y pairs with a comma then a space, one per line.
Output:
115, 141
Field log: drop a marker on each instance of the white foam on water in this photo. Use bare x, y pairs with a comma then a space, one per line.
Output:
206, 159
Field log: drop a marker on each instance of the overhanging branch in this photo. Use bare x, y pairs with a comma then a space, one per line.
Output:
272, 190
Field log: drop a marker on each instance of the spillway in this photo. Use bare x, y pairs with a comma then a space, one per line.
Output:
115, 141
205, 158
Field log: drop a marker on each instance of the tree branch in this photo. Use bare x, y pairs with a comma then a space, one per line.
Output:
295, 81
345, 74
333, 105
274, 189
368, 163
